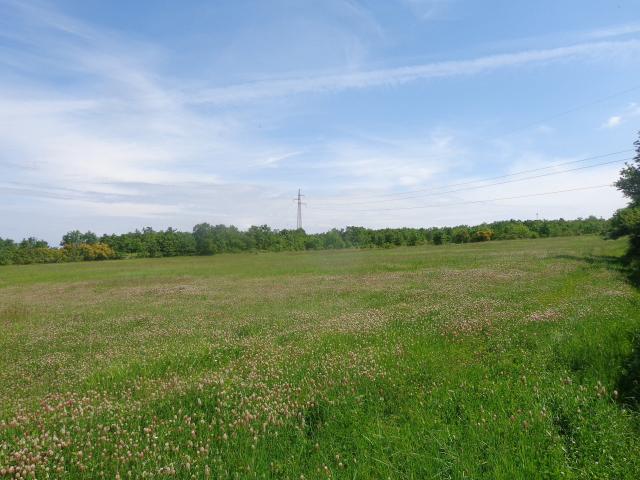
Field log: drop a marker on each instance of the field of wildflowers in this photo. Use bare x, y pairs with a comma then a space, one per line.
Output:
511, 359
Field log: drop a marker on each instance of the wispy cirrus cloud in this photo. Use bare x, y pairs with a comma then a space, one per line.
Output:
615, 31
427, 9
93, 125
374, 163
272, 161
397, 76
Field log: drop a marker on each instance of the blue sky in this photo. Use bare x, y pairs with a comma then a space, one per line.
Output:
118, 115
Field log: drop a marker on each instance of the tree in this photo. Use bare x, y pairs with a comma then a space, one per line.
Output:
438, 237
261, 237
460, 235
202, 233
90, 238
7, 251
358, 236
73, 237
33, 242
515, 230
626, 221
629, 182
333, 240
206, 239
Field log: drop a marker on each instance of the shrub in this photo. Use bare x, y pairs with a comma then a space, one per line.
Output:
26, 255
87, 251
516, 230
460, 235
483, 235
627, 220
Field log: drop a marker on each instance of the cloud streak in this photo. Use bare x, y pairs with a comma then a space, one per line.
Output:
95, 126
398, 76
426, 9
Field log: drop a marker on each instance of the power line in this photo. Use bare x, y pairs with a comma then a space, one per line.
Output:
403, 195
521, 172
568, 111
437, 205
538, 122
487, 185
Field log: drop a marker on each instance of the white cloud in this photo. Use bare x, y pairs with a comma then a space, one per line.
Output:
631, 111
120, 144
387, 163
273, 161
613, 121
615, 31
129, 142
461, 207
544, 129
398, 76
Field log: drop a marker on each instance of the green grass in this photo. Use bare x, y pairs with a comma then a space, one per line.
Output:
513, 359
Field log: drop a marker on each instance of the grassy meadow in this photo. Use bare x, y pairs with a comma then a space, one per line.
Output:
511, 359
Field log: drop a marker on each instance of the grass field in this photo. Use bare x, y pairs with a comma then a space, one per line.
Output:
500, 360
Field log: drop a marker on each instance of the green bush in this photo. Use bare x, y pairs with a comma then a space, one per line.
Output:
88, 251
627, 220
483, 235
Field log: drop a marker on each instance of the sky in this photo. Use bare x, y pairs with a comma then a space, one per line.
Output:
119, 115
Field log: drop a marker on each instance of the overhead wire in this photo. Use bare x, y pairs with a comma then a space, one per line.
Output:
496, 177
445, 204
432, 193
523, 127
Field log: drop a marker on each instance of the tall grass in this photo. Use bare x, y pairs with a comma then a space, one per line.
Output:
512, 359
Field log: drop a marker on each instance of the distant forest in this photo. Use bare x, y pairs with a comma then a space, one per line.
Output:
208, 239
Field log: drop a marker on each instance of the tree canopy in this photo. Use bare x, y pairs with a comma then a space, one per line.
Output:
626, 221
207, 239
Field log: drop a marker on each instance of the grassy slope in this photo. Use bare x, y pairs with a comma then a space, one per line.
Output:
496, 360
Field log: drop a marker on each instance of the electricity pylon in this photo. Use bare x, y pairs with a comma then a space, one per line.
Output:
300, 203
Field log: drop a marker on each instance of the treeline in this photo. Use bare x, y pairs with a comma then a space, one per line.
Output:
207, 239
32, 250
